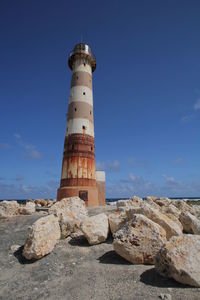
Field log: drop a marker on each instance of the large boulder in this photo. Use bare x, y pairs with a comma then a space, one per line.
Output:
174, 219
139, 240
72, 204
173, 213
163, 201
123, 205
171, 209
96, 229
70, 212
28, 208
9, 209
116, 220
190, 223
42, 237
171, 227
151, 201
196, 209
70, 225
183, 206
179, 258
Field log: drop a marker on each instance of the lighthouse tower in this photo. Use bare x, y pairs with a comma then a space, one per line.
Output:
78, 176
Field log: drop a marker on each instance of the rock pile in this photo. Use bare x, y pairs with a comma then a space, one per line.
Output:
64, 219
150, 231
27, 209
153, 231
9, 209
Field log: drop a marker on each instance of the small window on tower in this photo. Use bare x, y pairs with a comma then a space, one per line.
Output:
90, 112
83, 127
83, 93
75, 109
91, 148
84, 64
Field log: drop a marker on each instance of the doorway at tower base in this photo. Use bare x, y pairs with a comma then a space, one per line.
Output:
92, 195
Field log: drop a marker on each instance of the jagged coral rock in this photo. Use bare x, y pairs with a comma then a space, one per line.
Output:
179, 258
43, 236
139, 240
96, 228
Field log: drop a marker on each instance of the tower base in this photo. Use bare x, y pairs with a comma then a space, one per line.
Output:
87, 193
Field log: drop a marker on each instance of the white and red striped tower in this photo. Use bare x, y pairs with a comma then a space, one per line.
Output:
78, 177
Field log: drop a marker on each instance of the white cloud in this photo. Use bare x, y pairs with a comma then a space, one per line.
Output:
168, 178
132, 177
187, 118
136, 185
109, 166
22, 191
29, 149
197, 104
178, 161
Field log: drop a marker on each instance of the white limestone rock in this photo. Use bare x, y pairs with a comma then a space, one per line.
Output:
123, 205
9, 209
163, 201
139, 240
151, 201
190, 223
95, 228
171, 209
72, 204
183, 206
116, 220
196, 209
171, 227
70, 225
42, 237
27, 209
179, 258
70, 212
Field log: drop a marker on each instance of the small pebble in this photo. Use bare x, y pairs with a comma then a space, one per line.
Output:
165, 297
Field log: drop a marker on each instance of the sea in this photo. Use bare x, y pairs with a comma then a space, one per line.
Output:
112, 201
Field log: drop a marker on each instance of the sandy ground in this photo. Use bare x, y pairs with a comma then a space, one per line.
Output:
75, 270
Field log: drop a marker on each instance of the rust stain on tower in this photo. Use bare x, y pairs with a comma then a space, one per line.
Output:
78, 176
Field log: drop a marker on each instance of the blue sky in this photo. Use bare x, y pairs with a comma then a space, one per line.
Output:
146, 94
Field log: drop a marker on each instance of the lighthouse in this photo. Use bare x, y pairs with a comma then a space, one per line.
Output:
79, 176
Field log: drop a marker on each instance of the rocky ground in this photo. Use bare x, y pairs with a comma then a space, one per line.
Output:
75, 270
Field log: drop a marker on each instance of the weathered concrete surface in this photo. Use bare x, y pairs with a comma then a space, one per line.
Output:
77, 271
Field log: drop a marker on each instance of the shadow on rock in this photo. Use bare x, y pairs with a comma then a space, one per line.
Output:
111, 257
79, 241
151, 277
21, 259
109, 239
